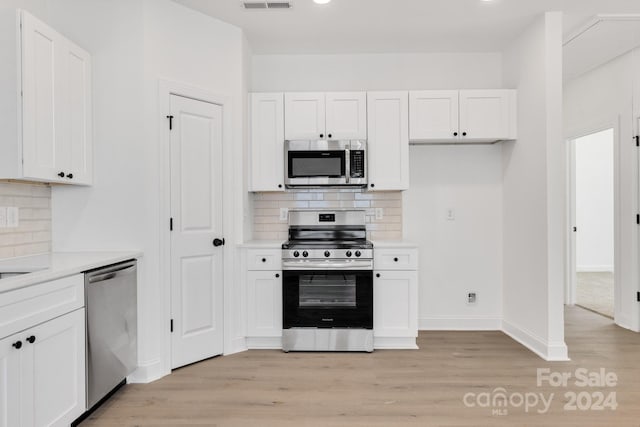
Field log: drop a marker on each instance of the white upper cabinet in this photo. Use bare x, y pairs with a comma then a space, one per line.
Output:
318, 115
388, 144
433, 114
49, 88
465, 116
346, 115
266, 152
304, 115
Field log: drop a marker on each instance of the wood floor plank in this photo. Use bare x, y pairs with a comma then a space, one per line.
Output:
387, 388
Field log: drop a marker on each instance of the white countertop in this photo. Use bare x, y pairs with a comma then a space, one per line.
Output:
46, 267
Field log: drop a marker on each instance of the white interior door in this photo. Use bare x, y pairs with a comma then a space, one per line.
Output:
196, 209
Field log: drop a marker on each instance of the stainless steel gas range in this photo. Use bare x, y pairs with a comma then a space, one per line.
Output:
327, 282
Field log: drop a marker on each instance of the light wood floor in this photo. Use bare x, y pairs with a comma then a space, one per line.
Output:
595, 292
386, 388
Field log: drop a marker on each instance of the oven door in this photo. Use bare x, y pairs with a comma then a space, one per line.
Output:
327, 299
316, 163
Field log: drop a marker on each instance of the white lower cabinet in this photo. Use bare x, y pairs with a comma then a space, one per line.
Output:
42, 373
395, 299
265, 304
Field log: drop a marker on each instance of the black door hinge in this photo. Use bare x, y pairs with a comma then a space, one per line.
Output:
638, 219
171, 325
638, 296
170, 122
170, 224
637, 138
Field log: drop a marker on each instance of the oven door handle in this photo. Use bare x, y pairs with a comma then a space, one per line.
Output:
325, 265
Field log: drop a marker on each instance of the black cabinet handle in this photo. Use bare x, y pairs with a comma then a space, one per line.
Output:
455, 134
61, 174
218, 242
377, 274
277, 275
464, 134
395, 259
70, 176
17, 344
31, 339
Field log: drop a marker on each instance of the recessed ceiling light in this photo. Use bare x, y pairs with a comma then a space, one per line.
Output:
321, 1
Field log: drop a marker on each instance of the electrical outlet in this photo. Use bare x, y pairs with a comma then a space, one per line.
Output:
13, 217
471, 297
379, 213
451, 214
3, 217
284, 214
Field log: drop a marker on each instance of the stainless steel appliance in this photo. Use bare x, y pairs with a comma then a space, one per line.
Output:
327, 282
325, 163
112, 331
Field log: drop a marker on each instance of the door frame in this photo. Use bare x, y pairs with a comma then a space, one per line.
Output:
570, 236
166, 89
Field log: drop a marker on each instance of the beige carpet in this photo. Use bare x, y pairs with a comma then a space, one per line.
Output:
595, 292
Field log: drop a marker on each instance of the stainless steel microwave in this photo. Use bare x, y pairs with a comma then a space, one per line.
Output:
325, 163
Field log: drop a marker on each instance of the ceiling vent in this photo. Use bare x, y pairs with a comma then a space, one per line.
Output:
266, 5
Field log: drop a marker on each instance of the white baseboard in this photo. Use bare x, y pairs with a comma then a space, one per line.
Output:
237, 345
264, 343
548, 351
147, 372
395, 343
457, 323
594, 268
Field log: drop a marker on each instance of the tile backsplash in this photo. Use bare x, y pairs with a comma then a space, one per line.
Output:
267, 224
33, 234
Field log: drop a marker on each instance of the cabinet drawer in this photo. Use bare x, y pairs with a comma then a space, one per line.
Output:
264, 259
27, 307
395, 259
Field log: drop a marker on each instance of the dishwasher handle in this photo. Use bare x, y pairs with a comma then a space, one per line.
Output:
110, 274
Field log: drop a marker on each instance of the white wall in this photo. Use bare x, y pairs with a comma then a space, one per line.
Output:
533, 192
455, 256
594, 201
134, 43
609, 96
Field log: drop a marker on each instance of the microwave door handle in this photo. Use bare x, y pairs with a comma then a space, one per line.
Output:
347, 165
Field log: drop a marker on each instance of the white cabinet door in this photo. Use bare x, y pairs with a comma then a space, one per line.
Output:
388, 147
395, 299
346, 115
10, 382
264, 297
433, 115
53, 371
304, 115
77, 160
484, 115
266, 147
42, 77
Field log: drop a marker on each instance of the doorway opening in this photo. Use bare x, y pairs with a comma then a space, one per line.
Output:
593, 221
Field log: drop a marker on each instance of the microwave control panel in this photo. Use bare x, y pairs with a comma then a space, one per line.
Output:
357, 163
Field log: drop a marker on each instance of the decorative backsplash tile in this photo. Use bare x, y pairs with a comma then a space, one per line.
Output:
267, 224
33, 234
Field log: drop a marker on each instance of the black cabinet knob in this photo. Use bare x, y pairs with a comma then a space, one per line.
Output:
455, 134
277, 275
279, 185
464, 134
329, 135
17, 344
373, 185
264, 260
70, 176
218, 242
61, 174
395, 259
322, 135
377, 274
31, 339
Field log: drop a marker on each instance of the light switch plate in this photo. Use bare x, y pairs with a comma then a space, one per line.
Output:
13, 217
3, 217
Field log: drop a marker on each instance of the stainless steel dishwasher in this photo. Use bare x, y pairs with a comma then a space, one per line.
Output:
112, 328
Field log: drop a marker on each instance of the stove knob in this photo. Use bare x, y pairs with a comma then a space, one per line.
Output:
296, 254
348, 254
327, 254
358, 253
305, 254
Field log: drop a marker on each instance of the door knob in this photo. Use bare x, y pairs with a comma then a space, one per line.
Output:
61, 174
218, 242
70, 176
31, 339
17, 344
